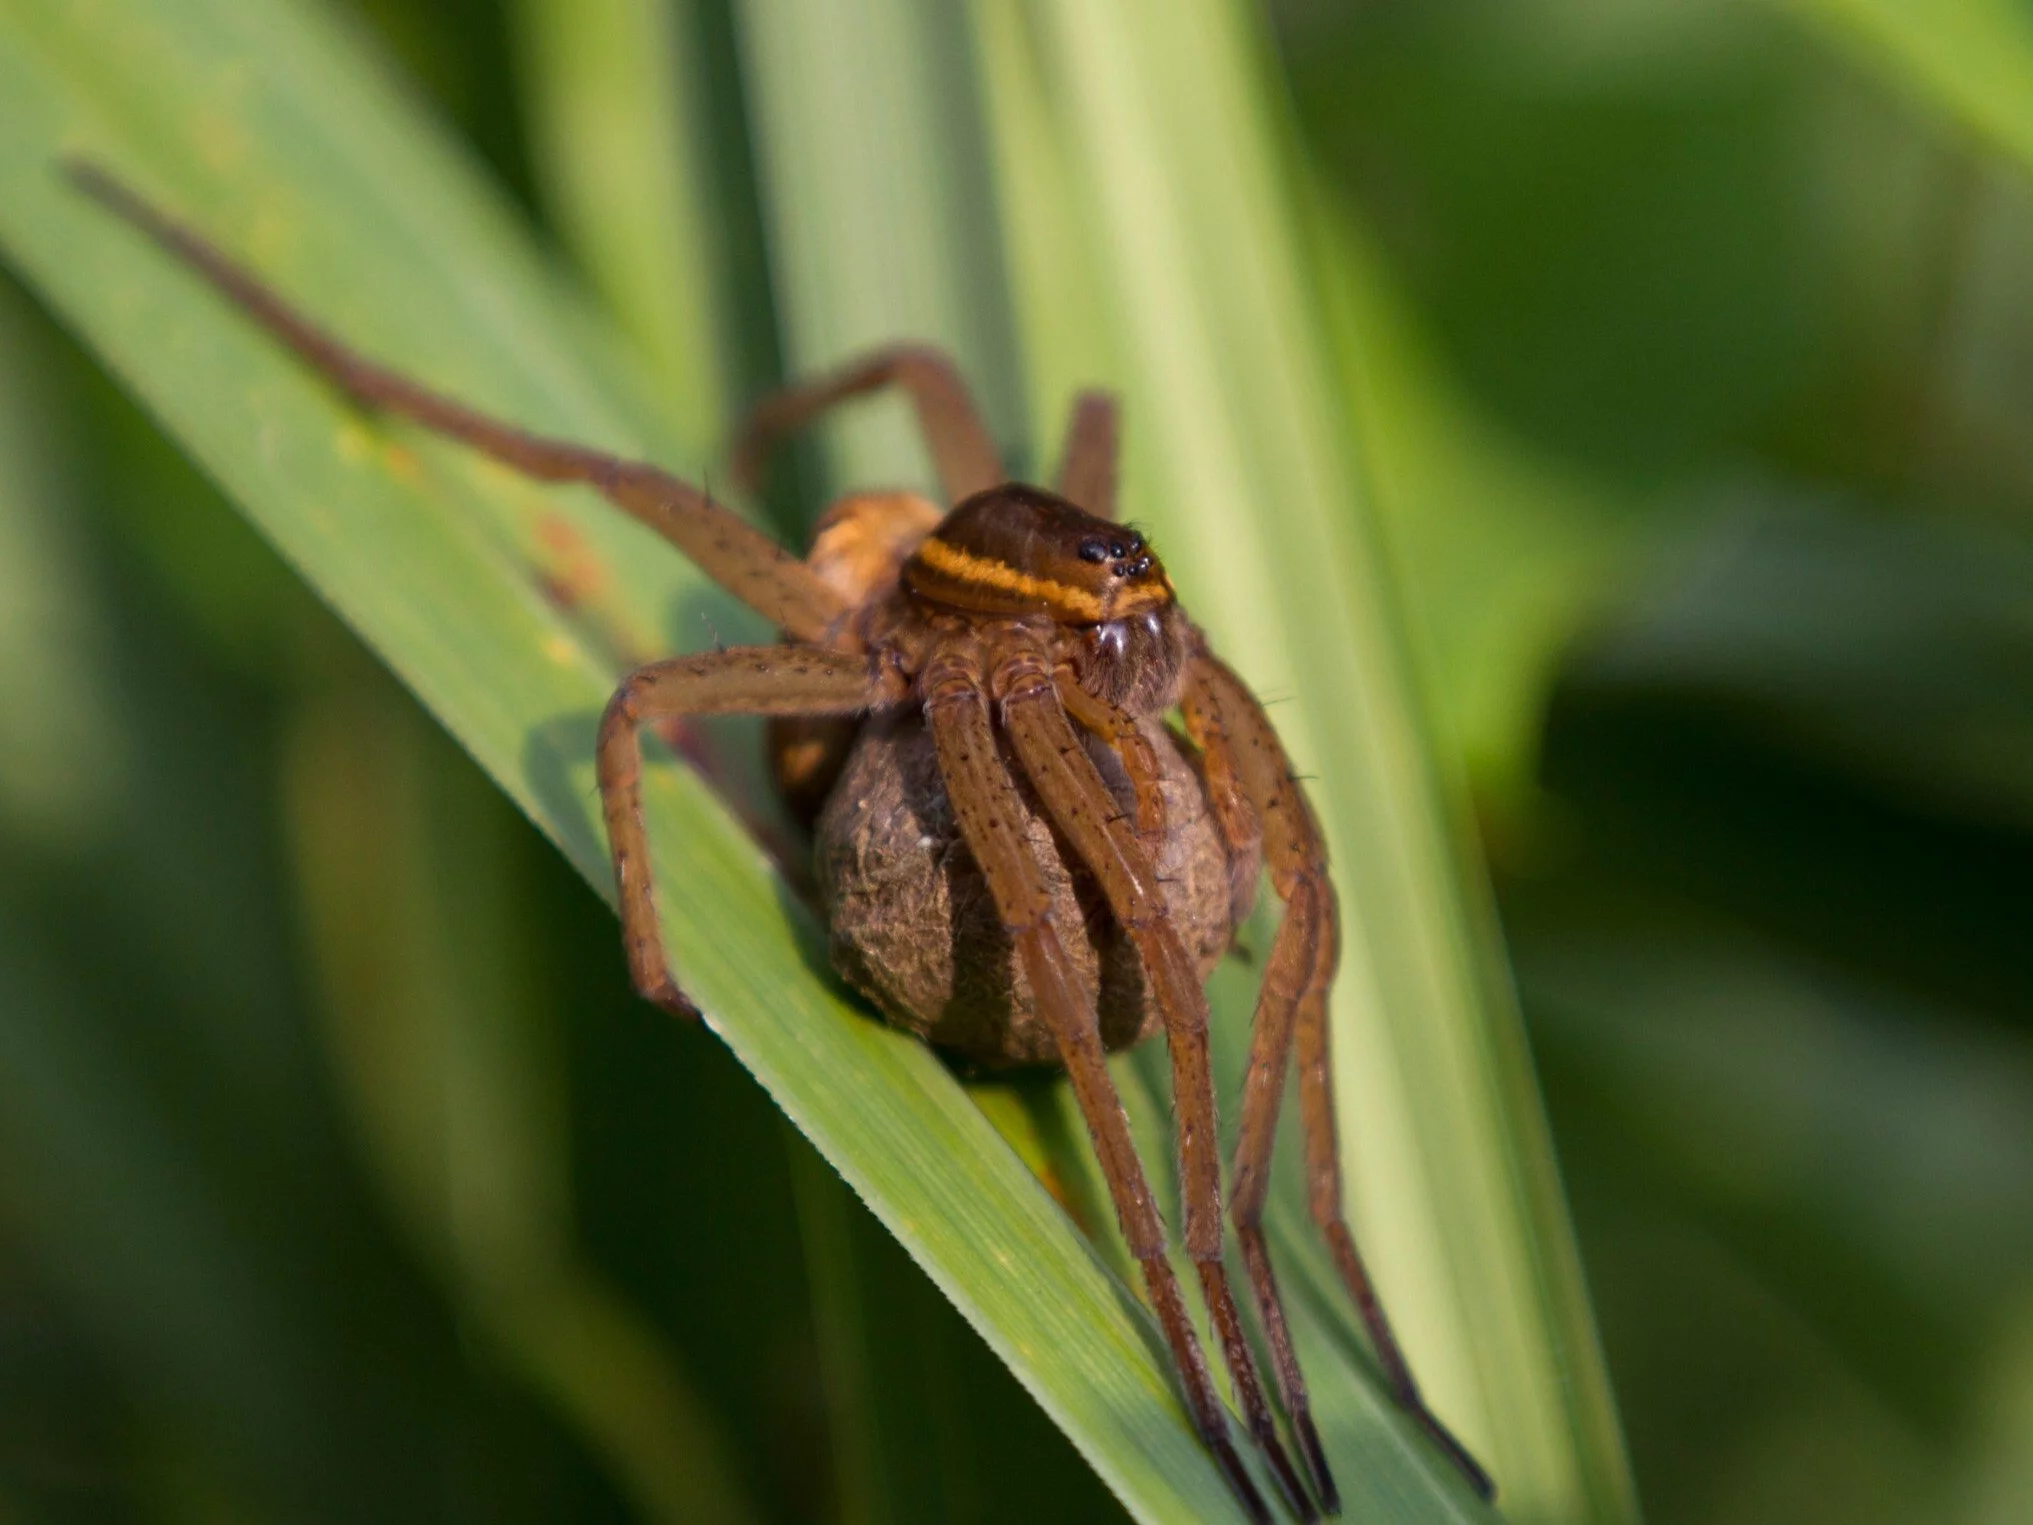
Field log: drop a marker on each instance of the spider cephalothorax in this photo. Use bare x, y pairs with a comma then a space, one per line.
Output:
1018, 859
1019, 552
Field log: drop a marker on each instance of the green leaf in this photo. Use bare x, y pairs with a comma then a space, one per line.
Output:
269, 128
887, 231
1972, 59
607, 85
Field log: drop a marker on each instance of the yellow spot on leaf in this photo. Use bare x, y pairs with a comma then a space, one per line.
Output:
402, 464
353, 443
221, 141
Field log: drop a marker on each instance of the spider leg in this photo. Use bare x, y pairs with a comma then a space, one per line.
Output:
743, 560
1093, 441
986, 807
1234, 817
1080, 805
1323, 1168
1287, 974
749, 680
1243, 755
1139, 758
962, 450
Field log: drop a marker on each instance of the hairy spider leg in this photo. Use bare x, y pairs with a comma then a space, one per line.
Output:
1087, 469
749, 680
1246, 763
1242, 833
1119, 730
743, 560
1288, 973
963, 452
1078, 802
990, 819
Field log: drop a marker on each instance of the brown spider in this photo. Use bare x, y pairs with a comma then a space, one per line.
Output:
998, 676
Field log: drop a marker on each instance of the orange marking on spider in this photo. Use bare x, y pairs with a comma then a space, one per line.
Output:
985, 572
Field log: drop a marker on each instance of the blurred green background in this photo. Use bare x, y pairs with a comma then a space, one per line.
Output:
1693, 352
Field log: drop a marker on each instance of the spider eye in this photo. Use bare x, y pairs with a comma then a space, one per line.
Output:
1093, 550
1117, 551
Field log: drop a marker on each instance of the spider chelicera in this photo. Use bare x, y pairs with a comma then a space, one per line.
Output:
997, 678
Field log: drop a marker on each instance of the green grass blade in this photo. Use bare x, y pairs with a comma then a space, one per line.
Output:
606, 82
888, 230
268, 126
1972, 59
1139, 134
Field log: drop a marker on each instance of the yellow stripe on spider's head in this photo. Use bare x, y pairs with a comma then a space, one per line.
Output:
986, 572
1063, 600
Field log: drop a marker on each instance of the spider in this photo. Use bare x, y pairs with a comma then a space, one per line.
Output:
978, 696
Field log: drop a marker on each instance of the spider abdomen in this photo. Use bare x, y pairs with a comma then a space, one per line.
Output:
914, 929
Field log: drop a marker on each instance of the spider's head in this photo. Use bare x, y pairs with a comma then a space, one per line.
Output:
1016, 550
